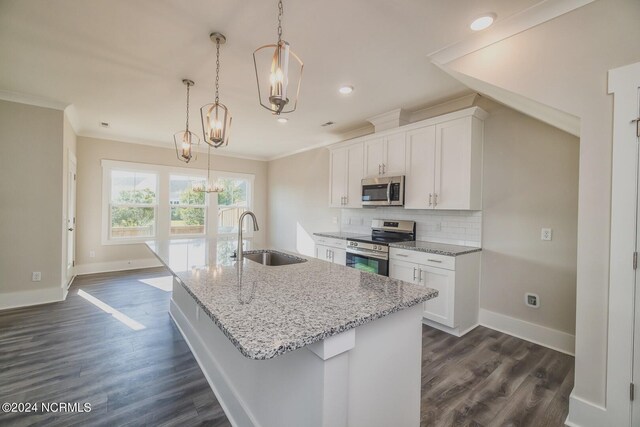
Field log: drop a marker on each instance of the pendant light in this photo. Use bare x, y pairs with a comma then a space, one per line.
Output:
284, 73
216, 119
208, 186
185, 140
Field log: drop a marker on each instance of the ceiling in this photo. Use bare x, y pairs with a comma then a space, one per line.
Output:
122, 62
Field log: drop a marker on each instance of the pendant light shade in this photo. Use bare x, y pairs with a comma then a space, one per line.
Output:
216, 119
186, 142
278, 73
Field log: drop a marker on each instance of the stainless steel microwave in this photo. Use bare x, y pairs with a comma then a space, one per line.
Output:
383, 191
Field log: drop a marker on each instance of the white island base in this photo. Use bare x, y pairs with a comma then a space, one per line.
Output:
365, 377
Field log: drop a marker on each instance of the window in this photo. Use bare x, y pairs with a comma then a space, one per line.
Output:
133, 204
188, 208
233, 200
142, 201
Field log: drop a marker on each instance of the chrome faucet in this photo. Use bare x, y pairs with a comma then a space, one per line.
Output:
239, 256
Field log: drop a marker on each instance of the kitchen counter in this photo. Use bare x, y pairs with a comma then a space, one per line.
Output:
340, 235
266, 311
435, 248
314, 343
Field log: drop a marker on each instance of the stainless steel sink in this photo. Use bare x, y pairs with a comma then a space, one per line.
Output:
272, 258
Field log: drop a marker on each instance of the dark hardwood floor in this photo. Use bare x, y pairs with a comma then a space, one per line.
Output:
132, 365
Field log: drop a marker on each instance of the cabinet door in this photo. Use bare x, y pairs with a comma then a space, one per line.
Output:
394, 164
441, 308
322, 252
339, 256
453, 164
355, 173
403, 270
420, 173
374, 154
338, 176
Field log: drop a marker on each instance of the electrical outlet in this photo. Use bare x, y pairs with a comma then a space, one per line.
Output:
546, 234
36, 276
92, 254
532, 300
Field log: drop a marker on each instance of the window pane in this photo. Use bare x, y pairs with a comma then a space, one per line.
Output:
185, 220
132, 222
133, 187
232, 202
181, 190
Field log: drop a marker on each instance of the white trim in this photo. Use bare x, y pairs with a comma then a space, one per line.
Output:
583, 413
452, 331
507, 27
31, 297
35, 100
538, 334
104, 267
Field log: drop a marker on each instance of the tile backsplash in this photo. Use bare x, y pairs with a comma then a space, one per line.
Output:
453, 227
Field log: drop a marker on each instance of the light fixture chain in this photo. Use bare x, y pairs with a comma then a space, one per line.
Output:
217, 70
187, 125
280, 13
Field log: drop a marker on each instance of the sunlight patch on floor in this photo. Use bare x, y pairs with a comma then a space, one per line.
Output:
164, 283
136, 326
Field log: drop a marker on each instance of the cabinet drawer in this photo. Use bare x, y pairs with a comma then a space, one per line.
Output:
431, 260
328, 241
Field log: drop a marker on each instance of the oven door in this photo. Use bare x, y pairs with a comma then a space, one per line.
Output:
369, 262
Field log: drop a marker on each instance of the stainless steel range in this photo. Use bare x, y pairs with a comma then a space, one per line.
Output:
371, 253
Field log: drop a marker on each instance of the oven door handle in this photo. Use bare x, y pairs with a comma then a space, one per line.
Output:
389, 192
367, 253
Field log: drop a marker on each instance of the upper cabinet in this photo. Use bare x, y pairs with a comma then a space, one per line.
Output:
346, 174
385, 156
441, 158
444, 166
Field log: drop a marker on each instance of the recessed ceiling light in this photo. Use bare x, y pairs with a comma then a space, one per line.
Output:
104, 124
327, 124
483, 22
346, 89
282, 120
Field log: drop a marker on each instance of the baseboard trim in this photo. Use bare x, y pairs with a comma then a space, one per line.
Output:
538, 334
583, 413
453, 331
104, 267
32, 297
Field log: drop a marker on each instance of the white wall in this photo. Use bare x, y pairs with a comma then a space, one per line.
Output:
31, 169
563, 63
298, 198
89, 212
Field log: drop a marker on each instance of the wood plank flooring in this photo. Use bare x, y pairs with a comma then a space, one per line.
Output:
134, 368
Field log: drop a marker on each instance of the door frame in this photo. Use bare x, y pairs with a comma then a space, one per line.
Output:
72, 190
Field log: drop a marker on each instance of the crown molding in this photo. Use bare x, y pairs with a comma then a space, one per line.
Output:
535, 15
37, 101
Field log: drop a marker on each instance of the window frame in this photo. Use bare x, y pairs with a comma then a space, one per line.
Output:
180, 205
250, 178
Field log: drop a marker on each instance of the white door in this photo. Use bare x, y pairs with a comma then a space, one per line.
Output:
403, 270
355, 173
339, 256
71, 215
453, 164
374, 156
395, 155
322, 252
440, 309
338, 191
420, 161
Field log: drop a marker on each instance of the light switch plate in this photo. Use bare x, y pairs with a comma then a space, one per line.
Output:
546, 234
36, 276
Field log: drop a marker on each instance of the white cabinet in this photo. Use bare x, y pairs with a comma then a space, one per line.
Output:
444, 166
385, 156
332, 250
455, 309
346, 173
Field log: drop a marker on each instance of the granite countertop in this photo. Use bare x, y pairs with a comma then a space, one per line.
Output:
340, 235
266, 311
435, 248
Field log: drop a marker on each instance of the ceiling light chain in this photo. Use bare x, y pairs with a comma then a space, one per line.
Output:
217, 71
280, 13
187, 122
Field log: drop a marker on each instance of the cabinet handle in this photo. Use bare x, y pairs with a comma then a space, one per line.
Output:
326, 254
379, 169
346, 200
435, 199
414, 274
403, 255
419, 275
435, 260
384, 168
430, 197
331, 255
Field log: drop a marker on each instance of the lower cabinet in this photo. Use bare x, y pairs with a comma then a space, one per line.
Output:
455, 309
332, 250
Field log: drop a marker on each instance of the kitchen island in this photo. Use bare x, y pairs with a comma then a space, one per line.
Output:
309, 343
